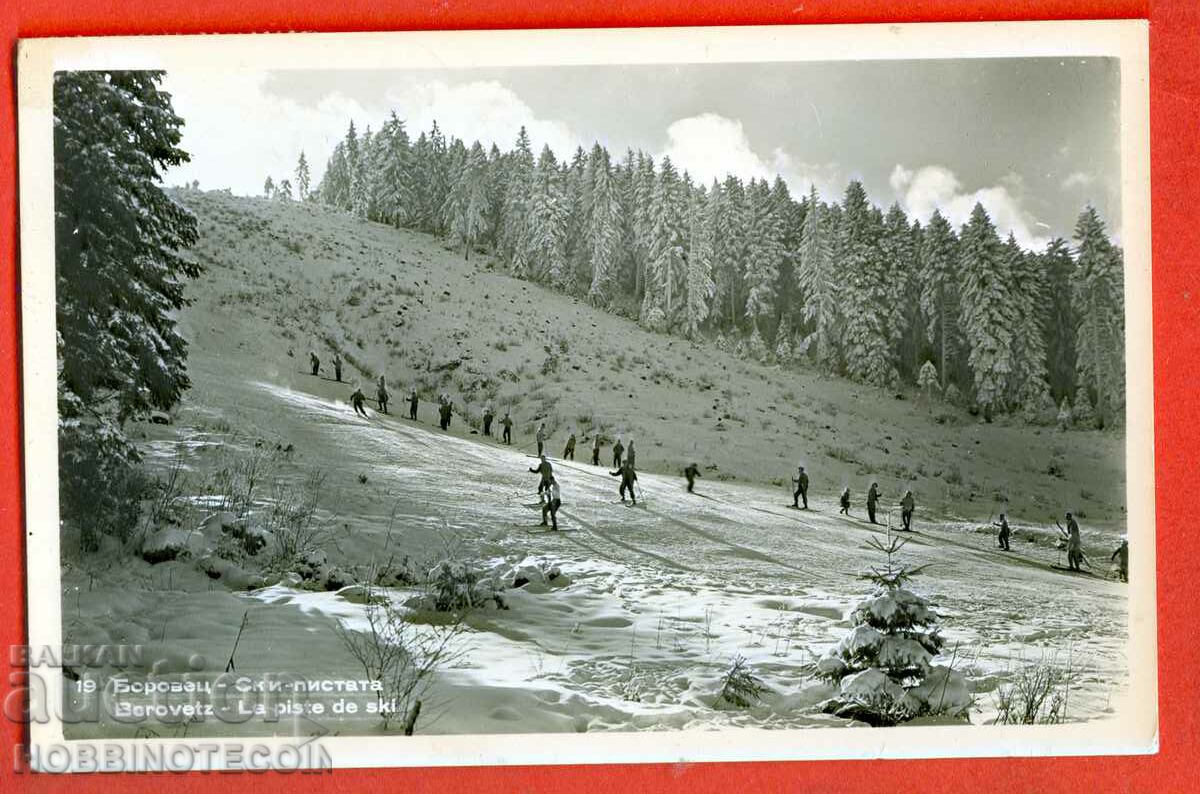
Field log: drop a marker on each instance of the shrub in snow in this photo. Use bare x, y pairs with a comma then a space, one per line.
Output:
1083, 414
884, 665
740, 687
756, 348
169, 544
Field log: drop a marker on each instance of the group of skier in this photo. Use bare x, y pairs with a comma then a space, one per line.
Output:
624, 460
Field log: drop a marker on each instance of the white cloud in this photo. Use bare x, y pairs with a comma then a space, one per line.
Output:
238, 132
1077, 179
935, 187
710, 146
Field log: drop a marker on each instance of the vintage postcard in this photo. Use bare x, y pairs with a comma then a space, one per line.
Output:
587, 396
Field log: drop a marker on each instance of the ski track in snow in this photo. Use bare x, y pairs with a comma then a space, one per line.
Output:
664, 594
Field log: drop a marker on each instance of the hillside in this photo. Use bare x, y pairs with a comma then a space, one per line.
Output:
295, 277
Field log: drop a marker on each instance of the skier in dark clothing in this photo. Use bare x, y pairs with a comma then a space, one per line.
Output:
553, 502
541, 439
631, 454
801, 492
357, 399
872, 501
413, 400
445, 412
569, 451
314, 362
381, 393
845, 502
488, 415
337, 367
596, 449
1074, 542
628, 478
618, 451
1005, 532
907, 505
507, 423
691, 472
1121, 555
547, 475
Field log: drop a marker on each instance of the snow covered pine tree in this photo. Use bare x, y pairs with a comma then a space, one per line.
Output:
884, 666
119, 280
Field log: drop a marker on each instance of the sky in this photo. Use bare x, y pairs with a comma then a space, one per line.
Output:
1033, 139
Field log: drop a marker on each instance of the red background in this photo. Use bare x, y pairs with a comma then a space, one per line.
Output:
1175, 140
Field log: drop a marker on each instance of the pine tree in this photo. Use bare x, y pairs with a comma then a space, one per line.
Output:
927, 379
1058, 318
665, 279
269, 188
819, 285
784, 349
987, 310
284, 191
884, 667
334, 189
396, 199
303, 178
1028, 388
729, 254
1096, 290
604, 231
940, 292
360, 178
577, 189
700, 288
764, 254
514, 237
119, 284
899, 248
870, 328
1082, 412
547, 222
467, 205
644, 188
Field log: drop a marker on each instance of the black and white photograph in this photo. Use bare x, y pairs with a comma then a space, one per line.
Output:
725, 394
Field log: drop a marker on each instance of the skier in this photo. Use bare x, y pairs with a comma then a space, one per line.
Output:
315, 363
596, 449
412, 403
1074, 542
547, 473
631, 454
801, 492
691, 472
1121, 555
541, 439
507, 423
487, 419
845, 502
381, 393
1005, 533
872, 501
357, 399
907, 504
628, 478
445, 412
569, 452
618, 451
337, 367
553, 502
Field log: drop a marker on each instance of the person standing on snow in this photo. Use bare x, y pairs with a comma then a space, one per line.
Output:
487, 419
315, 363
357, 399
845, 502
872, 501
907, 505
691, 472
445, 412
631, 454
1002, 538
1074, 542
381, 393
596, 449
541, 439
628, 478
507, 424
553, 502
569, 452
618, 451
547, 475
801, 492
337, 366
1121, 555
413, 400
